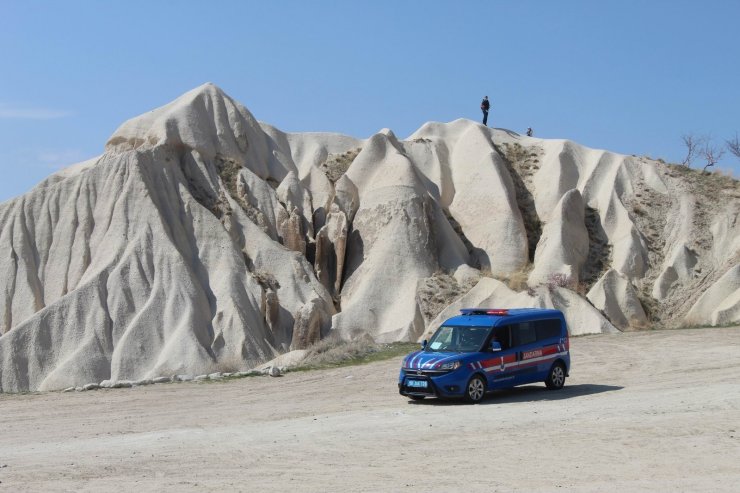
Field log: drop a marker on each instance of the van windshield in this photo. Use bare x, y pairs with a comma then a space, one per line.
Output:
458, 339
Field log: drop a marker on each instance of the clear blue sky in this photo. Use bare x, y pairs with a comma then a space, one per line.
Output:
625, 75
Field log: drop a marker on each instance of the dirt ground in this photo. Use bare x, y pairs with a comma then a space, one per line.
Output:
653, 411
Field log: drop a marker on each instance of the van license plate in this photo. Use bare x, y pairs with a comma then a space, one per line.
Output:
417, 383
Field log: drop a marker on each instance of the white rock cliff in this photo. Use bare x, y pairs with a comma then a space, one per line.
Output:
204, 241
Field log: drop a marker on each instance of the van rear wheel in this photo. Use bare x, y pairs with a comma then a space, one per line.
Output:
476, 390
556, 377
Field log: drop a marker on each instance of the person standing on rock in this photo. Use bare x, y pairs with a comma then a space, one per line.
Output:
529, 131
484, 106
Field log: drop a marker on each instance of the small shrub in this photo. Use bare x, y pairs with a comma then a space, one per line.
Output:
518, 280
579, 287
557, 280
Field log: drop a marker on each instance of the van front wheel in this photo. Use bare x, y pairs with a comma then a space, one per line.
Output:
475, 390
556, 377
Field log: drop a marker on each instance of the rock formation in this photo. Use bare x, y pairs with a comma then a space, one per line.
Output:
615, 296
203, 241
563, 246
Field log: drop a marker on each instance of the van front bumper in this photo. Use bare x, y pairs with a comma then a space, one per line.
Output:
440, 385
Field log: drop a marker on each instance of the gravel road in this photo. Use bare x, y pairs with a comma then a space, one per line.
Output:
648, 411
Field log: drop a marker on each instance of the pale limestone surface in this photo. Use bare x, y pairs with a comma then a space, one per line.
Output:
679, 266
392, 246
204, 241
580, 316
563, 246
604, 180
615, 296
720, 304
483, 200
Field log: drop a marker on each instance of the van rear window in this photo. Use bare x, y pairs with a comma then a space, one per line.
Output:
547, 329
524, 333
535, 330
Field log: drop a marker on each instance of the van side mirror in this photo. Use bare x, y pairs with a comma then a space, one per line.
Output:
495, 346
424, 344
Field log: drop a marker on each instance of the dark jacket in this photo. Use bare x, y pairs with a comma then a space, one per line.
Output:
484, 105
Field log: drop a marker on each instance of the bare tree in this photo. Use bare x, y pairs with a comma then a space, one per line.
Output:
711, 154
733, 145
693, 147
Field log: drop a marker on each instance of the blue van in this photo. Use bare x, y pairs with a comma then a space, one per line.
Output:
485, 349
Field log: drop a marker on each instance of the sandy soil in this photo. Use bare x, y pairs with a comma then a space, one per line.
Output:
656, 411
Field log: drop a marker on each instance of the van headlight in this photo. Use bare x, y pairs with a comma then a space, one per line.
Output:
452, 365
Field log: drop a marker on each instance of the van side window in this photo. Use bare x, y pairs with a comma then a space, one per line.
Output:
547, 329
503, 336
524, 333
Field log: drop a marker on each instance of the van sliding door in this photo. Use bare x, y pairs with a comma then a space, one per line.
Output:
500, 367
527, 350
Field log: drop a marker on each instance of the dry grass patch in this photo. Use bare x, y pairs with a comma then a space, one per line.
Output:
706, 183
435, 293
266, 280
333, 353
516, 281
522, 164
228, 170
337, 164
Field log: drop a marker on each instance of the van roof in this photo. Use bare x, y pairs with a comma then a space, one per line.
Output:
497, 316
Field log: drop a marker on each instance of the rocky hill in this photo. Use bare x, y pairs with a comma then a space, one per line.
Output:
203, 240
